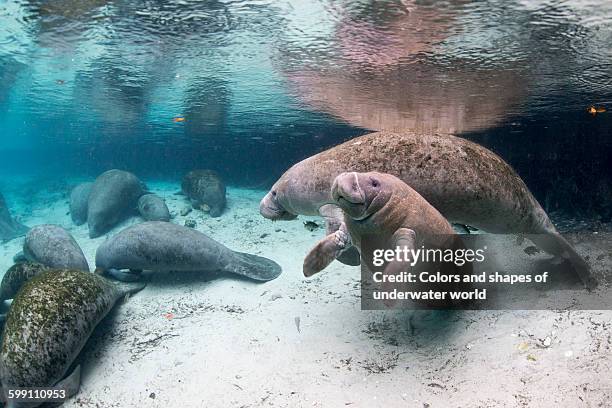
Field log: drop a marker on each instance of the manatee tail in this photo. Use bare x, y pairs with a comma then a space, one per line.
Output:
253, 266
129, 288
555, 244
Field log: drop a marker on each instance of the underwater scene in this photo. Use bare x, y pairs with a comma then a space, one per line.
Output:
305, 203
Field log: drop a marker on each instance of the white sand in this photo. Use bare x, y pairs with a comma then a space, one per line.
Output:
234, 343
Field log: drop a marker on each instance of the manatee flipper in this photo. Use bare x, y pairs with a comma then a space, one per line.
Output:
129, 288
325, 252
405, 239
461, 229
554, 244
334, 220
123, 275
253, 266
9, 228
71, 383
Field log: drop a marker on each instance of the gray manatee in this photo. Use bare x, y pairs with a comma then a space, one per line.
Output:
206, 190
466, 182
113, 195
50, 320
153, 208
163, 246
17, 275
79, 197
53, 246
9, 228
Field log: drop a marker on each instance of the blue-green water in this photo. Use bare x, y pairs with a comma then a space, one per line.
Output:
86, 86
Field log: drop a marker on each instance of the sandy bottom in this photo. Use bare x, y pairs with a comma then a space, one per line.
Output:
189, 340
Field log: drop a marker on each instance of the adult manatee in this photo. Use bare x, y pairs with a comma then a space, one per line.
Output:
49, 322
466, 182
163, 246
79, 197
153, 208
53, 246
17, 275
206, 191
113, 196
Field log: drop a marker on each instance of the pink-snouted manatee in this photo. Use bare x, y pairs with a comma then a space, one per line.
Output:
466, 182
113, 196
388, 214
50, 320
163, 246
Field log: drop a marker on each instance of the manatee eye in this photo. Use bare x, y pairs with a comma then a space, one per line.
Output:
375, 183
273, 193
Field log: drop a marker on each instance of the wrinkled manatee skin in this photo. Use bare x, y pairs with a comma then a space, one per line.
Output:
163, 246
205, 187
53, 246
49, 322
113, 195
153, 208
17, 275
79, 197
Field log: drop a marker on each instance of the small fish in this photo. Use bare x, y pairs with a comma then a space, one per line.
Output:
594, 110
178, 119
311, 225
60, 81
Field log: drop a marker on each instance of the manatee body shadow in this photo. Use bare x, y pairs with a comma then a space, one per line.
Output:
414, 328
159, 279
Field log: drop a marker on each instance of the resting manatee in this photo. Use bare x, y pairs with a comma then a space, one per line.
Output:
205, 189
153, 208
49, 322
53, 246
79, 196
9, 228
466, 182
17, 275
113, 195
386, 212
163, 246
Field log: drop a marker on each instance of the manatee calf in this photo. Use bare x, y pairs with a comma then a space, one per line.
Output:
17, 275
466, 182
388, 214
163, 246
113, 195
53, 246
49, 322
206, 190
153, 208
79, 197
9, 228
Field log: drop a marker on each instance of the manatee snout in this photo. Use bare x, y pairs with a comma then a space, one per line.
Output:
348, 193
270, 208
346, 186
